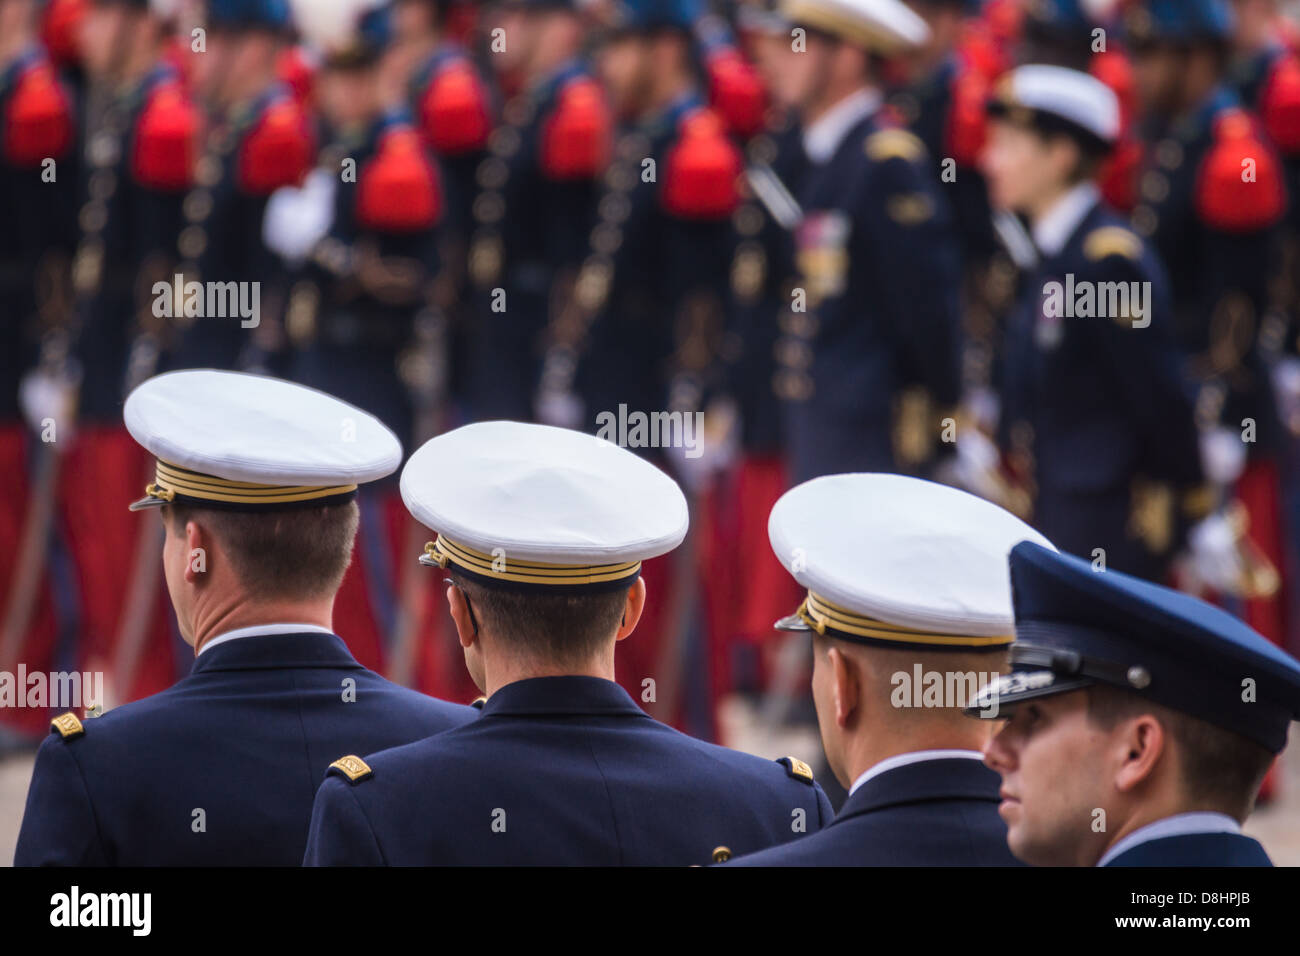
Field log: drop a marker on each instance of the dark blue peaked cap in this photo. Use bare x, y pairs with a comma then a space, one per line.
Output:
1076, 627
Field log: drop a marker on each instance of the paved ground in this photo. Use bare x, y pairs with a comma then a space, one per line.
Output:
1276, 826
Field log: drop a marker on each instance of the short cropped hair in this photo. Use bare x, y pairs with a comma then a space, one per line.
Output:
560, 629
1220, 768
294, 554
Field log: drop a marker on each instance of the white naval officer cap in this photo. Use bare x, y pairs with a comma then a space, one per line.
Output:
238, 442
899, 562
884, 26
1058, 98
532, 506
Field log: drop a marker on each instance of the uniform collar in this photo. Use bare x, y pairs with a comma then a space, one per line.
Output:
1181, 824
274, 645
937, 778
1054, 230
823, 137
916, 756
561, 695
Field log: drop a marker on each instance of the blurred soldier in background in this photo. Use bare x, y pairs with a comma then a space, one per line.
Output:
1212, 196
1266, 75
453, 107
877, 312
651, 285
361, 316
1095, 397
38, 184
258, 139
747, 587
537, 201
141, 133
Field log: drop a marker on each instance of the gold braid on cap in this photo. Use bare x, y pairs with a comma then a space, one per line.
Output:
172, 482
823, 616
500, 567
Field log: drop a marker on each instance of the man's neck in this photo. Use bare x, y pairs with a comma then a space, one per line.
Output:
829, 101
871, 747
502, 669
236, 614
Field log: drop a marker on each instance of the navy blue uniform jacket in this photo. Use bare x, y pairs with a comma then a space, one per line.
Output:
560, 771
221, 768
1196, 849
932, 813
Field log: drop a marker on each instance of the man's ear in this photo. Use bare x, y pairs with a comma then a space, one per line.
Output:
846, 684
462, 616
1141, 743
633, 605
197, 556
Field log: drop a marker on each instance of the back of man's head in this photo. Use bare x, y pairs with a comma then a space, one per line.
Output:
298, 554
559, 631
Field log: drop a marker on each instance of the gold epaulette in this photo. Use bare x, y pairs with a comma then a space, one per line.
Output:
68, 725
1112, 241
352, 767
894, 144
797, 769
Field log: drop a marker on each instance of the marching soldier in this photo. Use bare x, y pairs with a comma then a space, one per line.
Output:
906, 582
536, 206
562, 766
258, 140
877, 310
256, 480
1139, 722
1096, 408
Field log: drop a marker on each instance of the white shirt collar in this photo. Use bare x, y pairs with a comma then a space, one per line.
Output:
916, 756
1053, 231
258, 630
1180, 824
823, 136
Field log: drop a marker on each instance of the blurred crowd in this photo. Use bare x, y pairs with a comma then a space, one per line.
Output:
787, 230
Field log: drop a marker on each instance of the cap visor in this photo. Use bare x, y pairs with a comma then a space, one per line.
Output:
1010, 690
148, 501
792, 622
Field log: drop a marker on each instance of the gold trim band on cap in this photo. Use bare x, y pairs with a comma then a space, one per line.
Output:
443, 551
843, 25
821, 615
171, 481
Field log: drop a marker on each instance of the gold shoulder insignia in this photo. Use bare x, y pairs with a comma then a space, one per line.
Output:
797, 769
478, 702
352, 767
894, 143
68, 725
1112, 241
